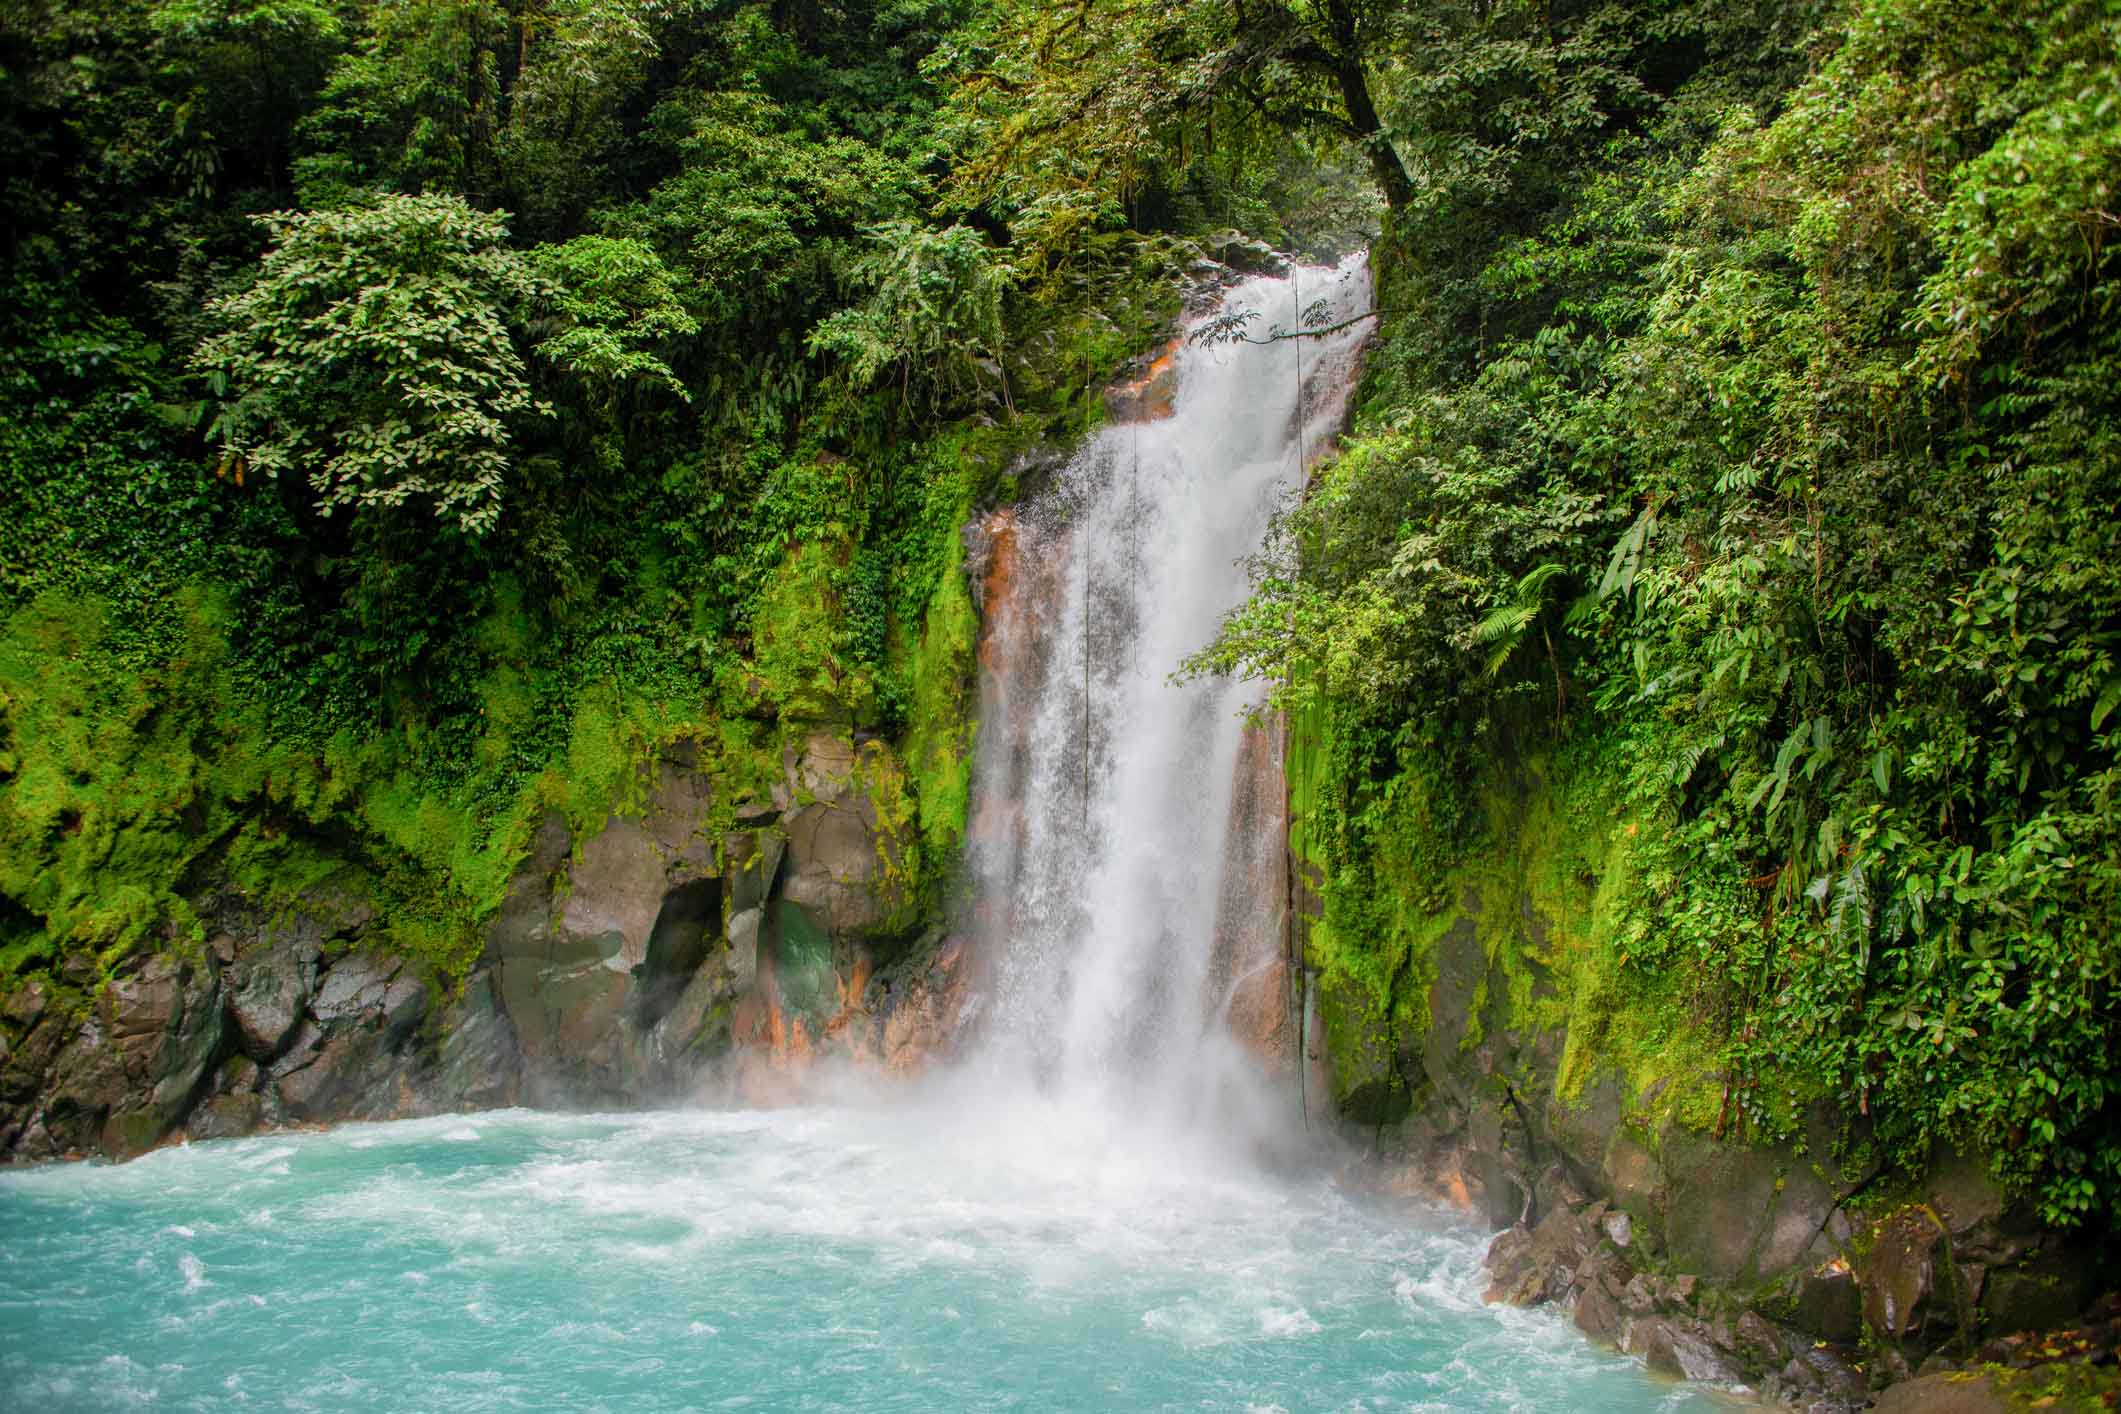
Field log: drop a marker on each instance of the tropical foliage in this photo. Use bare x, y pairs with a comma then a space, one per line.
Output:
418, 409
1766, 458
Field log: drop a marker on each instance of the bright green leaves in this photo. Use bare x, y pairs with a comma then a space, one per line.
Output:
615, 305
2109, 698
251, 20
1067, 120
372, 357
755, 196
1840, 457
1626, 559
2022, 232
379, 350
1505, 626
935, 304
411, 107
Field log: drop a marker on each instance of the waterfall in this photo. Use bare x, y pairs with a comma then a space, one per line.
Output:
1126, 841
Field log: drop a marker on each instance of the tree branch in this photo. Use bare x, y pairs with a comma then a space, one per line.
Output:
1230, 328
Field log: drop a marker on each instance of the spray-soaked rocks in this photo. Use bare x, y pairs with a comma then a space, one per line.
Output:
1581, 1257
282, 1016
632, 960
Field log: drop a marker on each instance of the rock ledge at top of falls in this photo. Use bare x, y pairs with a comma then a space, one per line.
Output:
687, 950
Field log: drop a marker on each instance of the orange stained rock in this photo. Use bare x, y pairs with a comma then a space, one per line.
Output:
999, 582
852, 987
747, 1020
1249, 974
920, 1026
1151, 397
1258, 1010
841, 1026
788, 1038
1434, 1177
1010, 628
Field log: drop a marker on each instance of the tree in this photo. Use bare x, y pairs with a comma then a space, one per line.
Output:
371, 354
1084, 96
379, 350
936, 304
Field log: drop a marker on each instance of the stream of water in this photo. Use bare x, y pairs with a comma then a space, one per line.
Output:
1111, 1202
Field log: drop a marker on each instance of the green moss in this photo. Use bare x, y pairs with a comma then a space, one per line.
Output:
940, 740
880, 775
1559, 869
2066, 1385
798, 636
115, 784
130, 781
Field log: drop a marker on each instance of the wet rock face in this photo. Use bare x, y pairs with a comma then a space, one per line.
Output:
111, 1076
275, 1020
1787, 1291
1572, 1259
267, 994
1898, 1273
1149, 392
833, 866
1943, 1394
615, 971
1706, 1255
599, 938
628, 964
1244, 255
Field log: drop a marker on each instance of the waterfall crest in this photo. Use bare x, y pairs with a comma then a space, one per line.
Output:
1126, 842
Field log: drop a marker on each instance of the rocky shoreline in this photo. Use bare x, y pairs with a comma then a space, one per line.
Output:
1770, 1267
1582, 1258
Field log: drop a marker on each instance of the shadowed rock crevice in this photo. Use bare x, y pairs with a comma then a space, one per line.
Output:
685, 929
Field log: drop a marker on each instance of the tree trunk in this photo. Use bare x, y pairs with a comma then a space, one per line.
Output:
1343, 40
1362, 116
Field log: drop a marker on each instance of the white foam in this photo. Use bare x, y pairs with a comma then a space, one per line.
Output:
1277, 1323
1186, 1322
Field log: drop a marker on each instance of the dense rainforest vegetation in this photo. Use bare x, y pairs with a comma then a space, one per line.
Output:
418, 409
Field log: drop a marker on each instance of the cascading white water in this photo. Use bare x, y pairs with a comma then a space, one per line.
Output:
1122, 895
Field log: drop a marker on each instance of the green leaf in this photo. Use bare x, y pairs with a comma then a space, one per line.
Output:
2108, 700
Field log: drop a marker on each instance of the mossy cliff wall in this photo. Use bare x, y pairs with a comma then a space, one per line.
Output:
1487, 1037
222, 931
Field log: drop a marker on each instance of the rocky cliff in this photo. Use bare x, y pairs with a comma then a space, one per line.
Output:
1511, 1073
710, 942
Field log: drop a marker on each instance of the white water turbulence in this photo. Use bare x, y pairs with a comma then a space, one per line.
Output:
1108, 1202
1127, 845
